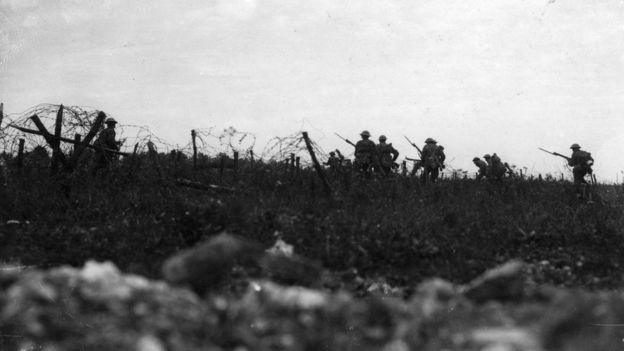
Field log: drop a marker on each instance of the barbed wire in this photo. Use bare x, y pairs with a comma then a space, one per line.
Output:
209, 141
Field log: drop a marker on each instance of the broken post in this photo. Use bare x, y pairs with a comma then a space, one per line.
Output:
95, 128
20, 154
317, 166
50, 139
193, 136
77, 138
251, 155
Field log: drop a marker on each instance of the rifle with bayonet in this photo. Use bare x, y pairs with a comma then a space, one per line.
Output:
347, 140
555, 153
414, 145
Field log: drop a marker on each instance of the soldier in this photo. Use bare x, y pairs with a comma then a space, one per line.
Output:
581, 162
105, 143
387, 155
497, 168
334, 162
483, 167
432, 159
365, 152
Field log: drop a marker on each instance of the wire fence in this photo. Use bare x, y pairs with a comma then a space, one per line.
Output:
210, 142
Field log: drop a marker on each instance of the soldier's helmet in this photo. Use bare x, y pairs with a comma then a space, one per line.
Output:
365, 133
486, 156
430, 141
382, 137
110, 120
575, 146
440, 147
331, 153
475, 159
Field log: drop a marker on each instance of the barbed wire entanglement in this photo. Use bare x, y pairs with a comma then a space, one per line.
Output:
76, 120
212, 141
280, 148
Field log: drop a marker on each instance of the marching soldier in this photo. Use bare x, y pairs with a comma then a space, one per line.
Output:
432, 158
581, 163
365, 152
483, 167
387, 155
105, 143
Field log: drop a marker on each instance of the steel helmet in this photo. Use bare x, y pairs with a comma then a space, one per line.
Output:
382, 137
475, 159
575, 146
430, 141
486, 156
110, 120
365, 133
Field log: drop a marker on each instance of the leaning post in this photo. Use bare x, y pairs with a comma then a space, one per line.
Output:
193, 136
56, 147
317, 166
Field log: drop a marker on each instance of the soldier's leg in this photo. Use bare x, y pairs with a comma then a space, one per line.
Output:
435, 172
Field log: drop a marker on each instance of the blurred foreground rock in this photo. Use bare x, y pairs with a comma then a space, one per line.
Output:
206, 265
97, 307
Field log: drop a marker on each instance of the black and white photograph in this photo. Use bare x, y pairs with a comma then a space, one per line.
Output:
267, 175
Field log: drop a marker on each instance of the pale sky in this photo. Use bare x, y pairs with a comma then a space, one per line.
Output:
503, 76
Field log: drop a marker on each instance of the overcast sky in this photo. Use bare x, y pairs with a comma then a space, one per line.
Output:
503, 76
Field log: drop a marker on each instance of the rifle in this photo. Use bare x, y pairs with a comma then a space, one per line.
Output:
414, 145
347, 140
412, 159
555, 153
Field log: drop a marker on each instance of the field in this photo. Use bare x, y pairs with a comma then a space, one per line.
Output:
367, 235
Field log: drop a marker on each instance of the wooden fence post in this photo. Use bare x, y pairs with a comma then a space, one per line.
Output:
79, 149
193, 136
56, 147
317, 166
20, 154
77, 138
251, 155
1, 113
50, 139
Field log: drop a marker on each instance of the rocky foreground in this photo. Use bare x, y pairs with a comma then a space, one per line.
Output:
97, 307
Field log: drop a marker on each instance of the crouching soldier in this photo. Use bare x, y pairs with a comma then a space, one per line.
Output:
483, 167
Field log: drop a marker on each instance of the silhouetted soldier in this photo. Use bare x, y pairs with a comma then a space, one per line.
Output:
497, 168
334, 162
365, 152
483, 167
387, 155
105, 143
488, 160
581, 163
432, 158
